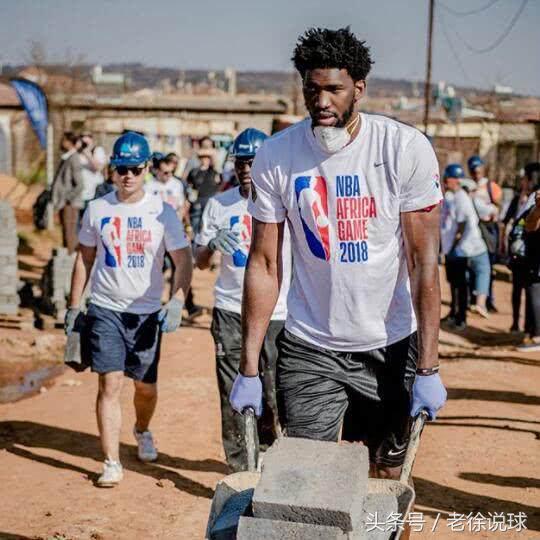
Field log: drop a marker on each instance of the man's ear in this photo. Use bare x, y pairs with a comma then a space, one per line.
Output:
359, 89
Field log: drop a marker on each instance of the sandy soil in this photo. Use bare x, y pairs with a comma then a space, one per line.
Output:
482, 454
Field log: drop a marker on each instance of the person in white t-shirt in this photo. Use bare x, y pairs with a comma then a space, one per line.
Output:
226, 227
122, 242
93, 161
166, 186
365, 243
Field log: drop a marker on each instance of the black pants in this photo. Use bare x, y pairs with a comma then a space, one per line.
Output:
533, 300
520, 279
456, 274
367, 394
227, 333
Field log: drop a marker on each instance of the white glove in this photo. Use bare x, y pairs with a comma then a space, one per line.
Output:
170, 315
226, 241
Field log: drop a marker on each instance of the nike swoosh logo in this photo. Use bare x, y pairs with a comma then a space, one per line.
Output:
392, 453
379, 164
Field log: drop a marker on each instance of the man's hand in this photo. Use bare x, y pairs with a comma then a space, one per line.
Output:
170, 315
246, 392
428, 393
69, 320
226, 241
537, 198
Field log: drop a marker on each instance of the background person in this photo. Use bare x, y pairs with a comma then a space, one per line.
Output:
67, 190
123, 238
226, 227
93, 161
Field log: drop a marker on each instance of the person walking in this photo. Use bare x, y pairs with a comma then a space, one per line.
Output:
67, 190
360, 194
456, 265
226, 227
123, 238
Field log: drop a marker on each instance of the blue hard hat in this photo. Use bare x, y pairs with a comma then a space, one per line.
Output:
474, 162
454, 170
130, 149
247, 143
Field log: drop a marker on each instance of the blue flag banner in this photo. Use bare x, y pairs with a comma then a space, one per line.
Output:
35, 104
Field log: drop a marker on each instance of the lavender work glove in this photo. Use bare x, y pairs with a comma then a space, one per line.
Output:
246, 392
428, 393
170, 315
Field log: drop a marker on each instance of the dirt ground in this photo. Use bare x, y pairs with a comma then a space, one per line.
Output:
482, 454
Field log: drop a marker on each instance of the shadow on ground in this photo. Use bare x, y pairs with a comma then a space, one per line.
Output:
15, 434
505, 481
443, 498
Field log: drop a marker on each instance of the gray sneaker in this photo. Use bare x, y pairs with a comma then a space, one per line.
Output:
146, 451
112, 474
534, 346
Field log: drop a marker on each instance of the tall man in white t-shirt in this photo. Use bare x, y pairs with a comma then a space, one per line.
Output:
165, 185
122, 242
360, 194
226, 227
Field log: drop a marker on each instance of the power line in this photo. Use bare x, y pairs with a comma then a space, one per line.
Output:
501, 38
471, 12
454, 52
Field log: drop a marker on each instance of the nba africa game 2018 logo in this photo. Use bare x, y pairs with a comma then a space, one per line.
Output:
353, 211
312, 199
111, 229
242, 226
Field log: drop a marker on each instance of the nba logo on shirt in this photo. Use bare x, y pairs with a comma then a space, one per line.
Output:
110, 237
312, 198
241, 225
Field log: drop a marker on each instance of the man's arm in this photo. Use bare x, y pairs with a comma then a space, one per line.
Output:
532, 221
183, 269
421, 237
203, 255
459, 234
81, 274
261, 290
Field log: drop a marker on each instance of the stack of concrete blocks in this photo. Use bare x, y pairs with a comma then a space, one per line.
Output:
315, 489
9, 280
56, 282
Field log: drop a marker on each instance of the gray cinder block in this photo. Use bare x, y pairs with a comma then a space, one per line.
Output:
267, 529
317, 482
377, 510
226, 525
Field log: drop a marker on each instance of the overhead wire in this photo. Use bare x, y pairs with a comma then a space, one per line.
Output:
501, 38
467, 13
454, 52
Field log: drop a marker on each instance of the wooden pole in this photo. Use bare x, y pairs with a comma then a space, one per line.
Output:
427, 90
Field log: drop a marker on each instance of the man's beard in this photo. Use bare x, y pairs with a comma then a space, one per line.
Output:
347, 115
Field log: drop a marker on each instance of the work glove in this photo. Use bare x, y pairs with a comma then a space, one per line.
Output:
428, 393
246, 392
226, 241
170, 315
69, 320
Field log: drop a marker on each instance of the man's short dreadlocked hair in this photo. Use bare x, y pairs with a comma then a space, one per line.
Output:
323, 48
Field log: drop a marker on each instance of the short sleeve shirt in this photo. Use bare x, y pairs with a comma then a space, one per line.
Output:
131, 240
350, 289
471, 243
171, 192
229, 210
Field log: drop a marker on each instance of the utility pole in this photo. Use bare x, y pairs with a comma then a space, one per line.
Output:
427, 90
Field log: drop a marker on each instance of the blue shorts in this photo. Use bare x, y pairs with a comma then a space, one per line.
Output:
125, 342
481, 268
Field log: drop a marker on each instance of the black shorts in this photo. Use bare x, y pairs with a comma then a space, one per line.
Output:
125, 342
367, 395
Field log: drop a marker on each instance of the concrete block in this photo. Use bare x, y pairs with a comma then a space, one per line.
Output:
225, 526
317, 482
378, 508
267, 529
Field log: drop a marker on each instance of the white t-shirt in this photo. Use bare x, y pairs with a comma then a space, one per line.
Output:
229, 210
350, 289
131, 240
471, 243
171, 191
448, 222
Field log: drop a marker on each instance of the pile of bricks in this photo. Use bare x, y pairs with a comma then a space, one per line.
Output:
315, 490
9, 281
56, 283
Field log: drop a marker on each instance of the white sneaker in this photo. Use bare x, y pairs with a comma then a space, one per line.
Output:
146, 451
112, 474
532, 346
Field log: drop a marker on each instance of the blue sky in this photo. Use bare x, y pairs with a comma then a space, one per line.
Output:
260, 34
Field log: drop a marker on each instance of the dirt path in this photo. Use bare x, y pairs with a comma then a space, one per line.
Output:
482, 455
